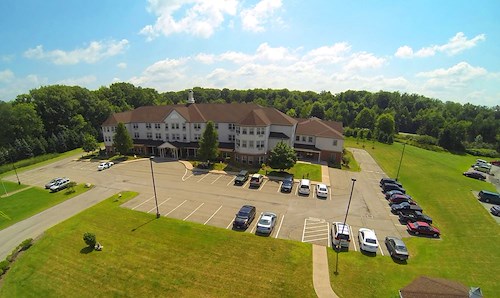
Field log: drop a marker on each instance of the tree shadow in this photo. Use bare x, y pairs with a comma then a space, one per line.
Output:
140, 226
87, 249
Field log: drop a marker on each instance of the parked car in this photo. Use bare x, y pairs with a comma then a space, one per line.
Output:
341, 235
398, 198
390, 186
413, 217
405, 206
495, 210
495, 163
489, 197
244, 217
266, 223
304, 187
422, 228
256, 180
475, 175
102, 166
384, 181
110, 164
397, 248
241, 178
367, 240
482, 162
60, 185
52, 182
482, 168
393, 192
287, 184
321, 191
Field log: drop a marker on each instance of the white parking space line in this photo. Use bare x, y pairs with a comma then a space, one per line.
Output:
262, 186
246, 183
255, 225
279, 186
204, 176
353, 241
330, 194
279, 228
212, 215
296, 190
230, 223
176, 207
185, 172
216, 179
304, 230
193, 211
329, 234
380, 247
143, 202
159, 204
230, 181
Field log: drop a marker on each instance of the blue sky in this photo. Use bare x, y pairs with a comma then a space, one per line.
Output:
442, 49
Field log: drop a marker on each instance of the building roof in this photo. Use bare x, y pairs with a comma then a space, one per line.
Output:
240, 113
431, 287
319, 128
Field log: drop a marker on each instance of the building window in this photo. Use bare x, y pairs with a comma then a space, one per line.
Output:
310, 139
261, 131
237, 143
107, 128
135, 126
297, 138
157, 125
237, 130
334, 142
261, 160
250, 161
244, 144
148, 125
166, 136
216, 125
250, 144
237, 158
244, 131
158, 136
177, 137
166, 126
197, 126
149, 135
251, 131
136, 135
176, 125
183, 126
244, 159
260, 145
231, 138
197, 137
231, 126
184, 137
303, 138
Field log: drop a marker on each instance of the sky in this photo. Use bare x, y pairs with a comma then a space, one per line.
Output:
449, 50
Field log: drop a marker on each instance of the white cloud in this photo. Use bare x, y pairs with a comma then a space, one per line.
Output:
18, 85
200, 18
6, 76
254, 18
7, 58
329, 54
456, 75
364, 60
455, 45
121, 65
96, 51
205, 58
81, 81
162, 72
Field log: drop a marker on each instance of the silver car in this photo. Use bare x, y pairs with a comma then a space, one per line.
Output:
266, 223
397, 248
52, 182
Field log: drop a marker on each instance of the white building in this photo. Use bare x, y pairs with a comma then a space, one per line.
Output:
247, 132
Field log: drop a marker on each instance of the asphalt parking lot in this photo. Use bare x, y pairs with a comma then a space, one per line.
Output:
213, 199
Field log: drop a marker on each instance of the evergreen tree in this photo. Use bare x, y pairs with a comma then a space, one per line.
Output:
122, 142
209, 144
282, 157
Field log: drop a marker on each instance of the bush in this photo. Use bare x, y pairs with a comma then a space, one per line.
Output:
4, 265
26, 244
482, 152
89, 239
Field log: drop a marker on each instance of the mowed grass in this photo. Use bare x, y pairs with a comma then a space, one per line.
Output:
7, 187
31, 201
148, 257
468, 250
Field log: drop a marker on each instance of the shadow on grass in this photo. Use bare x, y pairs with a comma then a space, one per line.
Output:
400, 262
368, 254
86, 250
140, 226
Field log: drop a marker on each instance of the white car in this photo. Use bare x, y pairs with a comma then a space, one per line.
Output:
367, 240
321, 191
59, 185
266, 223
105, 165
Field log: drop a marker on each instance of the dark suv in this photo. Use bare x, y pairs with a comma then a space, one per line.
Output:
489, 197
241, 178
244, 217
287, 184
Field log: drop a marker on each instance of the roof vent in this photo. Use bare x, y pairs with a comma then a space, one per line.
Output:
190, 96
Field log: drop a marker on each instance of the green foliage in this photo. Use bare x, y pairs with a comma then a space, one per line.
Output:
209, 143
71, 187
452, 136
26, 244
282, 156
365, 118
385, 124
483, 152
89, 143
89, 239
4, 265
122, 142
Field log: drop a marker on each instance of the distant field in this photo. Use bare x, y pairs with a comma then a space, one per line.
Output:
148, 257
469, 247
29, 202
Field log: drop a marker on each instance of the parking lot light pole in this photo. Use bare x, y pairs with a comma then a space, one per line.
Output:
337, 249
400, 161
154, 186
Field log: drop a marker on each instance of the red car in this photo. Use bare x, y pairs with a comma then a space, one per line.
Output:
420, 227
399, 198
495, 163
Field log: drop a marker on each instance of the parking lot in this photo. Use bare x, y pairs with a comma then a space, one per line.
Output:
213, 199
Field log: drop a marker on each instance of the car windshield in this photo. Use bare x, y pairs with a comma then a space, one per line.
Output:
264, 221
401, 248
322, 189
369, 240
255, 179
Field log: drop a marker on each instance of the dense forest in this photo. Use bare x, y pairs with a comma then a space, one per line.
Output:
55, 118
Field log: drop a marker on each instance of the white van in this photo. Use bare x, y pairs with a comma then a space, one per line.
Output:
304, 187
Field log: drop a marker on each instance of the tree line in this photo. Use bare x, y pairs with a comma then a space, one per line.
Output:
56, 118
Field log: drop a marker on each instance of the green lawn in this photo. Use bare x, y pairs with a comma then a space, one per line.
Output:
353, 164
299, 170
148, 257
7, 186
469, 247
31, 201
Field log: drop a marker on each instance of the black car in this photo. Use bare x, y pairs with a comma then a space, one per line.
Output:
475, 175
495, 210
413, 217
390, 186
405, 206
244, 217
287, 184
393, 192
241, 178
384, 181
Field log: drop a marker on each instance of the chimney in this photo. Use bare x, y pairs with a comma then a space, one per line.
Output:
190, 96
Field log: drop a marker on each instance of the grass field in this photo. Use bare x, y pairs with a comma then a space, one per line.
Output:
147, 257
31, 201
8, 186
469, 247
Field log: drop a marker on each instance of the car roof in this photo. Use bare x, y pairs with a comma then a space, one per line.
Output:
341, 227
321, 185
243, 172
246, 208
368, 232
268, 215
256, 175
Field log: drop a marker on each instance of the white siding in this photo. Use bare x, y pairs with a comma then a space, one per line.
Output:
327, 144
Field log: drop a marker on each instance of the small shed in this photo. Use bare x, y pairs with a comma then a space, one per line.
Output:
432, 287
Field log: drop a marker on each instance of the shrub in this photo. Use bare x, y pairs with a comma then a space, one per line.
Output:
89, 239
26, 244
4, 265
482, 152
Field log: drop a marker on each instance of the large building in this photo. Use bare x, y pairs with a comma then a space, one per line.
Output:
247, 132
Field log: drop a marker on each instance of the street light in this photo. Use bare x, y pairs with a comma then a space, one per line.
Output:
401, 160
154, 186
15, 170
343, 226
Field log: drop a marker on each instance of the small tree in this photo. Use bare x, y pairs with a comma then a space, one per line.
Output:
89, 143
89, 239
71, 187
122, 140
209, 144
282, 157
